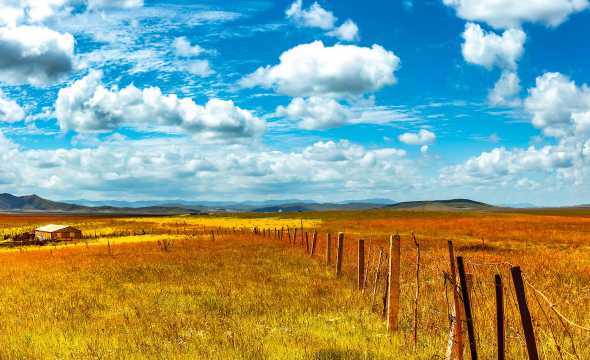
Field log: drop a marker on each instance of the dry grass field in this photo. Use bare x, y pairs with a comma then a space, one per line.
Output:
197, 287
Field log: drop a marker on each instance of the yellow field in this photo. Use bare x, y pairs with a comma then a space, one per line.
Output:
165, 287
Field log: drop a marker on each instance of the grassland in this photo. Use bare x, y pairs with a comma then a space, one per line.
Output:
164, 287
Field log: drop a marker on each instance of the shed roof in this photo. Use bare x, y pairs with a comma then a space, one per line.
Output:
52, 228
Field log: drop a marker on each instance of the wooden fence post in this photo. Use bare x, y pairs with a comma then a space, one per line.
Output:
417, 297
467, 306
455, 344
306, 243
525, 315
376, 278
339, 254
393, 289
314, 240
500, 316
361, 263
328, 249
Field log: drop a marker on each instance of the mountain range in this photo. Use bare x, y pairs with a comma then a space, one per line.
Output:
34, 203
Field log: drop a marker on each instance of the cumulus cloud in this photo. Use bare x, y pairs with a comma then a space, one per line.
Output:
489, 49
317, 17
506, 90
490, 167
507, 13
88, 106
558, 106
34, 55
314, 16
19, 12
183, 47
349, 31
316, 113
116, 4
314, 69
160, 167
423, 137
10, 111
200, 68
561, 109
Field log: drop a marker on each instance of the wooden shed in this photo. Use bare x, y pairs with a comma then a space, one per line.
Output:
57, 233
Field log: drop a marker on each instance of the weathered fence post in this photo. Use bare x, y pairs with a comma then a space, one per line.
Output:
361, 263
525, 315
393, 289
314, 240
339, 254
306, 243
467, 306
376, 278
417, 297
328, 249
455, 344
500, 316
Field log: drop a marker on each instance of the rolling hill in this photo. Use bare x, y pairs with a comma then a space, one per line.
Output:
34, 203
442, 205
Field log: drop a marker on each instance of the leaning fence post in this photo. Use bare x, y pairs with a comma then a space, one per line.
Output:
361, 263
455, 344
328, 249
467, 306
500, 316
393, 289
339, 254
525, 315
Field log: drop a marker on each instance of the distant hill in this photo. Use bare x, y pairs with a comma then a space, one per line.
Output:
34, 203
302, 207
10, 202
442, 205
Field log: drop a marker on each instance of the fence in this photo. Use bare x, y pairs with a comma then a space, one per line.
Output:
485, 309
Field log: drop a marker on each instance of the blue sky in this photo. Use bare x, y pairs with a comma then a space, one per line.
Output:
327, 100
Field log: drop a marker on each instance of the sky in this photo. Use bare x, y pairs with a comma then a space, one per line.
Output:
326, 101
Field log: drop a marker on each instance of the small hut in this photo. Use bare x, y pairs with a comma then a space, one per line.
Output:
57, 233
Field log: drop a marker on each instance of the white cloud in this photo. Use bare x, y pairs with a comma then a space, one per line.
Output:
183, 47
19, 12
316, 113
509, 13
424, 149
116, 4
314, 16
10, 111
559, 107
501, 163
349, 31
87, 106
423, 137
180, 167
317, 17
34, 55
506, 90
489, 49
199, 68
340, 70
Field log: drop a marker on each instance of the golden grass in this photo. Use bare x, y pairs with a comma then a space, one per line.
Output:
245, 296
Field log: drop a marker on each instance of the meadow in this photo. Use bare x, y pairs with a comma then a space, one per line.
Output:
209, 287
